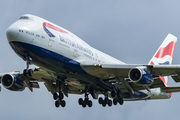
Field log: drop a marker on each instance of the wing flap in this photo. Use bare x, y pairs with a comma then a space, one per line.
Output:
157, 83
175, 78
166, 70
35, 84
170, 89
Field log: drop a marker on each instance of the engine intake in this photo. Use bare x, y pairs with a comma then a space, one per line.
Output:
140, 77
12, 82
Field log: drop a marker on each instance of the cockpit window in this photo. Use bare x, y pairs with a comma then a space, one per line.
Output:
25, 18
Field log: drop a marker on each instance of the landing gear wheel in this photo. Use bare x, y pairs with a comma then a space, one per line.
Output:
80, 101
57, 104
100, 100
106, 100
121, 101
55, 96
63, 103
104, 104
118, 93
30, 72
90, 103
86, 100
115, 101
113, 94
84, 104
61, 96
25, 72
109, 103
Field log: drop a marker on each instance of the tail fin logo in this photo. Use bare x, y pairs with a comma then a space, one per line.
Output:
164, 54
168, 50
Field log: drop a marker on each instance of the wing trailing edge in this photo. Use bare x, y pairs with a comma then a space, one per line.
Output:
170, 89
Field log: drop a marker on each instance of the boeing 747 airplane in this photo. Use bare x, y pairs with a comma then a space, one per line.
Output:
68, 65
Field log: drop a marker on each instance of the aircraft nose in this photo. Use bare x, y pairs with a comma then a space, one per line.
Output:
12, 32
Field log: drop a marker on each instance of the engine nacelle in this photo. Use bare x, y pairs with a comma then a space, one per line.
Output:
140, 77
12, 82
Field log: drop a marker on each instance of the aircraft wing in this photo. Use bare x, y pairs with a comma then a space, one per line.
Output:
40, 75
110, 71
106, 71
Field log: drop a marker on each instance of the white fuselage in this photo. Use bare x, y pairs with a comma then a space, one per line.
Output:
66, 44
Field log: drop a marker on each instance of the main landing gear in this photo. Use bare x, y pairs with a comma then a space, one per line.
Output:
28, 71
117, 97
59, 98
105, 101
85, 102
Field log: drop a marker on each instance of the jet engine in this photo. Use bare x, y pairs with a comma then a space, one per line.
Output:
12, 82
140, 77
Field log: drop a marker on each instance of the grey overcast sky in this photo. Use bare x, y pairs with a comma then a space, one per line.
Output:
130, 31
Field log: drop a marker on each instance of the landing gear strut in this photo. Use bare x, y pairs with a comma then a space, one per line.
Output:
28, 71
86, 101
59, 98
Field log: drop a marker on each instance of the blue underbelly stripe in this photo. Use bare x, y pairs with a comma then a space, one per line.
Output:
46, 56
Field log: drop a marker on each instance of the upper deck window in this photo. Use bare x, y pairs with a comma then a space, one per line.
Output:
25, 18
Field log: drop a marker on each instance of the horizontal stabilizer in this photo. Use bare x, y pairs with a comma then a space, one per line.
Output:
170, 89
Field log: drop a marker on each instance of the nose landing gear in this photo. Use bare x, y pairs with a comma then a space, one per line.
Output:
28, 71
